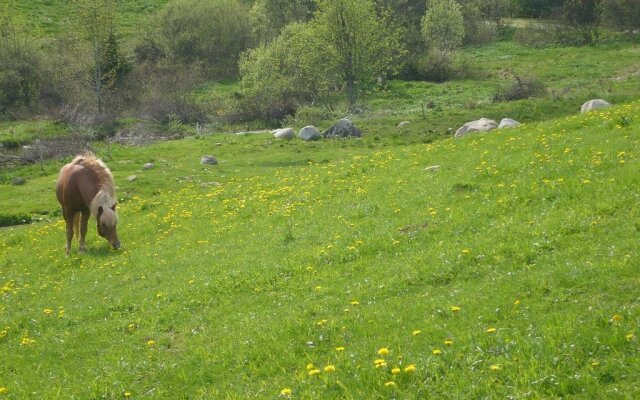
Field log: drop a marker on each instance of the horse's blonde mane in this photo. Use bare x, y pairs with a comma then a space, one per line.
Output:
106, 196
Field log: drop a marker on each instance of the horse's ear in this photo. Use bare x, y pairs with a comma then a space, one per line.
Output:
100, 211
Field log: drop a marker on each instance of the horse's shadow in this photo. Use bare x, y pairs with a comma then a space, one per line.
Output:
98, 251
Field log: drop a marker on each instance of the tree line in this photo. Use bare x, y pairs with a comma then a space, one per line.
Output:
286, 54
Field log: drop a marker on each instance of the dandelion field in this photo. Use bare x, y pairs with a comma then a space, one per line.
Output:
500, 265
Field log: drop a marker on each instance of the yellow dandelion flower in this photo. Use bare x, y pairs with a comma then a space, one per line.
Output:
448, 342
491, 330
595, 363
286, 392
131, 327
354, 302
339, 348
395, 370
455, 309
617, 318
310, 366
330, 368
465, 251
629, 336
314, 372
3, 390
48, 311
380, 363
390, 384
127, 394
410, 368
26, 341
151, 342
383, 352
436, 352
517, 302
416, 332
495, 367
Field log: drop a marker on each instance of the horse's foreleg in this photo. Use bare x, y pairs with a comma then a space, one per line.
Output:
83, 229
67, 249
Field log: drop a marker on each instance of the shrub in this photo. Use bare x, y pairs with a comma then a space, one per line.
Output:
14, 219
622, 14
213, 33
438, 65
20, 70
522, 88
274, 81
534, 35
443, 25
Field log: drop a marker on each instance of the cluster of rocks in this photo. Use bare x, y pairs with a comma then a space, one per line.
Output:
344, 128
486, 124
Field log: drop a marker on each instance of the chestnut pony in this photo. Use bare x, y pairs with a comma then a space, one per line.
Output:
85, 186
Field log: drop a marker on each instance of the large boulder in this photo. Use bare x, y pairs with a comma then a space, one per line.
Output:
284, 133
595, 104
309, 133
480, 125
342, 129
508, 123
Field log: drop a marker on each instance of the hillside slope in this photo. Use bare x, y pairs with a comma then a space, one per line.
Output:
498, 265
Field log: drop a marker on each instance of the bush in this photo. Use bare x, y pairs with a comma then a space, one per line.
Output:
443, 25
14, 219
212, 33
438, 65
21, 72
277, 78
521, 89
622, 15
534, 35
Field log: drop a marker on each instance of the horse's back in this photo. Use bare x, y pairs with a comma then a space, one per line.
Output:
75, 188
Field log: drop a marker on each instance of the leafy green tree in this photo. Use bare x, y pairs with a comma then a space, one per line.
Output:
442, 25
442, 32
269, 17
358, 44
96, 19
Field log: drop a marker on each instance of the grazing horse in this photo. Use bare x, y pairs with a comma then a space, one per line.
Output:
85, 186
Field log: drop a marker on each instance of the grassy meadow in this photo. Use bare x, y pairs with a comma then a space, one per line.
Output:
500, 265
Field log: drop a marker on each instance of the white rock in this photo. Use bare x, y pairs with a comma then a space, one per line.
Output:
284, 133
595, 104
508, 123
309, 132
480, 125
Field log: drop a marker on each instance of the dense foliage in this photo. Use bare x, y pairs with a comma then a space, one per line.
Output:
98, 69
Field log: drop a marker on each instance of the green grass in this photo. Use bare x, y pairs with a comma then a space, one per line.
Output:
236, 281
14, 134
50, 18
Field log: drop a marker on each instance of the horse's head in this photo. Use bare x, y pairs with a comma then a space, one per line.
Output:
107, 220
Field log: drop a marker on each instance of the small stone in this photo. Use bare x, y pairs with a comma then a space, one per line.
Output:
18, 180
148, 166
207, 159
132, 178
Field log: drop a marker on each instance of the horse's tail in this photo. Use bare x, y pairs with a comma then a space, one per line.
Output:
76, 224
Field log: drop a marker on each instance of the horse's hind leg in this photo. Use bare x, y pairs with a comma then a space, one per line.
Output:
69, 221
83, 229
